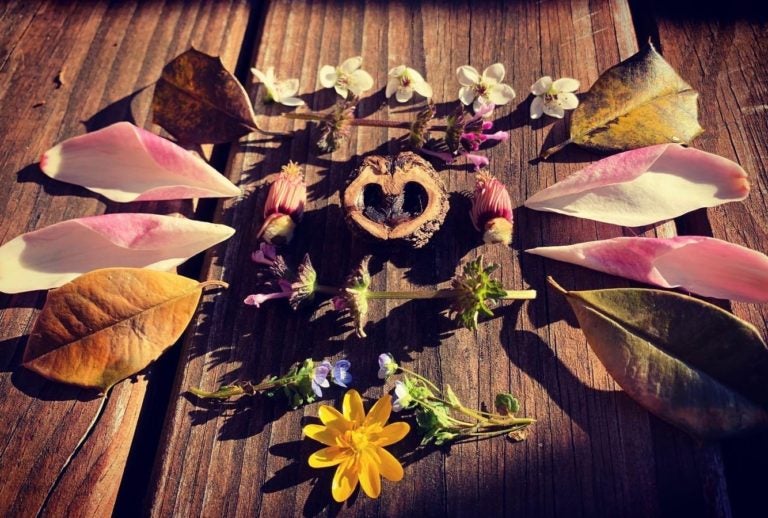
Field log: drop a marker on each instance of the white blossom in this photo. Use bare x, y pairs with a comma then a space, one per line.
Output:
282, 92
480, 90
553, 97
347, 77
403, 81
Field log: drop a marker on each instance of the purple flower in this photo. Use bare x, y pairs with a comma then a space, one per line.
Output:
266, 254
387, 365
340, 374
320, 378
257, 299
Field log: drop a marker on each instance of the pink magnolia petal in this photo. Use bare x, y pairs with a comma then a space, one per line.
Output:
702, 265
644, 186
125, 163
54, 255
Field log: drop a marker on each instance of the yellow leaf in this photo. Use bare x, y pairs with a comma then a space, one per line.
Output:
109, 324
640, 102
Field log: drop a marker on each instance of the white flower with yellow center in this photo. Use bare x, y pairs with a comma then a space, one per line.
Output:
479, 90
282, 92
403, 81
347, 77
553, 97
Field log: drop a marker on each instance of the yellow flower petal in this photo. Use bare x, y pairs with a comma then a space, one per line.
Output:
353, 407
344, 480
333, 418
323, 434
390, 434
330, 456
389, 466
379, 413
370, 480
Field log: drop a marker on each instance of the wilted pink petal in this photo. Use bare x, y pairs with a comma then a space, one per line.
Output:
492, 209
55, 255
479, 161
703, 265
644, 186
125, 163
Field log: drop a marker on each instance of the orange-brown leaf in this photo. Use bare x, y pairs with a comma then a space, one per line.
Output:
109, 324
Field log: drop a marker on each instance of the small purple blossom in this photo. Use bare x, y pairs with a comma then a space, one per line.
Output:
257, 299
266, 254
340, 374
339, 303
387, 365
320, 378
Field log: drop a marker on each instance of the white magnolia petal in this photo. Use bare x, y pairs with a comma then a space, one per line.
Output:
360, 81
645, 186
494, 72
467, 76
467, 95
537, 107
404, 94
54, 255
423, 88
270, 75
351, 64
553, 110
568, 100
392, 85
291, 101
125, 163
541, 86
501, 94
328, 76
566, 84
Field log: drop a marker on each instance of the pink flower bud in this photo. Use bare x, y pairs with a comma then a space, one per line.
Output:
492, 210
285, 205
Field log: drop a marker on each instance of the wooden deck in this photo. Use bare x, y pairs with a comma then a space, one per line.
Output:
147, 448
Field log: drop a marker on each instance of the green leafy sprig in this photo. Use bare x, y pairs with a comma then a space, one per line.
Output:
442, 417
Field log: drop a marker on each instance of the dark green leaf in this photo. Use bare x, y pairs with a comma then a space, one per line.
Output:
639, 102
687, 361
199, 102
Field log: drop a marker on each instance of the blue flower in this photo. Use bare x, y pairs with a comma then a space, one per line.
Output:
404, 398
387, 366
319, 378
340, 374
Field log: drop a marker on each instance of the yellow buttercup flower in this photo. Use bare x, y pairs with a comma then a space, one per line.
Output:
355, 444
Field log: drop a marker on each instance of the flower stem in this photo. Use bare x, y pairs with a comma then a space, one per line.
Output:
442, 294
372, 123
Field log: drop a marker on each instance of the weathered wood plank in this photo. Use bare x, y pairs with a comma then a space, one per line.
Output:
594, 452
723, 56
63, 450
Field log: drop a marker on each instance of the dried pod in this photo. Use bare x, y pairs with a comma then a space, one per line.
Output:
396, 198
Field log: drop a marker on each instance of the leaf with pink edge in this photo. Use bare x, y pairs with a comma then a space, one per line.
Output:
125, 163
54, 255
645, 186
702, 265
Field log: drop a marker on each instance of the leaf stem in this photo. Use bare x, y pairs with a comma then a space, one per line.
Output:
554, 149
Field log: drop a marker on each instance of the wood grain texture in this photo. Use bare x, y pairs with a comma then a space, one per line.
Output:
723, 56
593, 452
66, 68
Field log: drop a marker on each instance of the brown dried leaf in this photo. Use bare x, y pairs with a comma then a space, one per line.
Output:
109, 324
199, 102
640, 102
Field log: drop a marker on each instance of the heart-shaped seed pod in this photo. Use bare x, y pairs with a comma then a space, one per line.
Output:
396, 198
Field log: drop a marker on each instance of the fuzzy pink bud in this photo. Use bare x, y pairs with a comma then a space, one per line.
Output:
492, 210
285, 205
